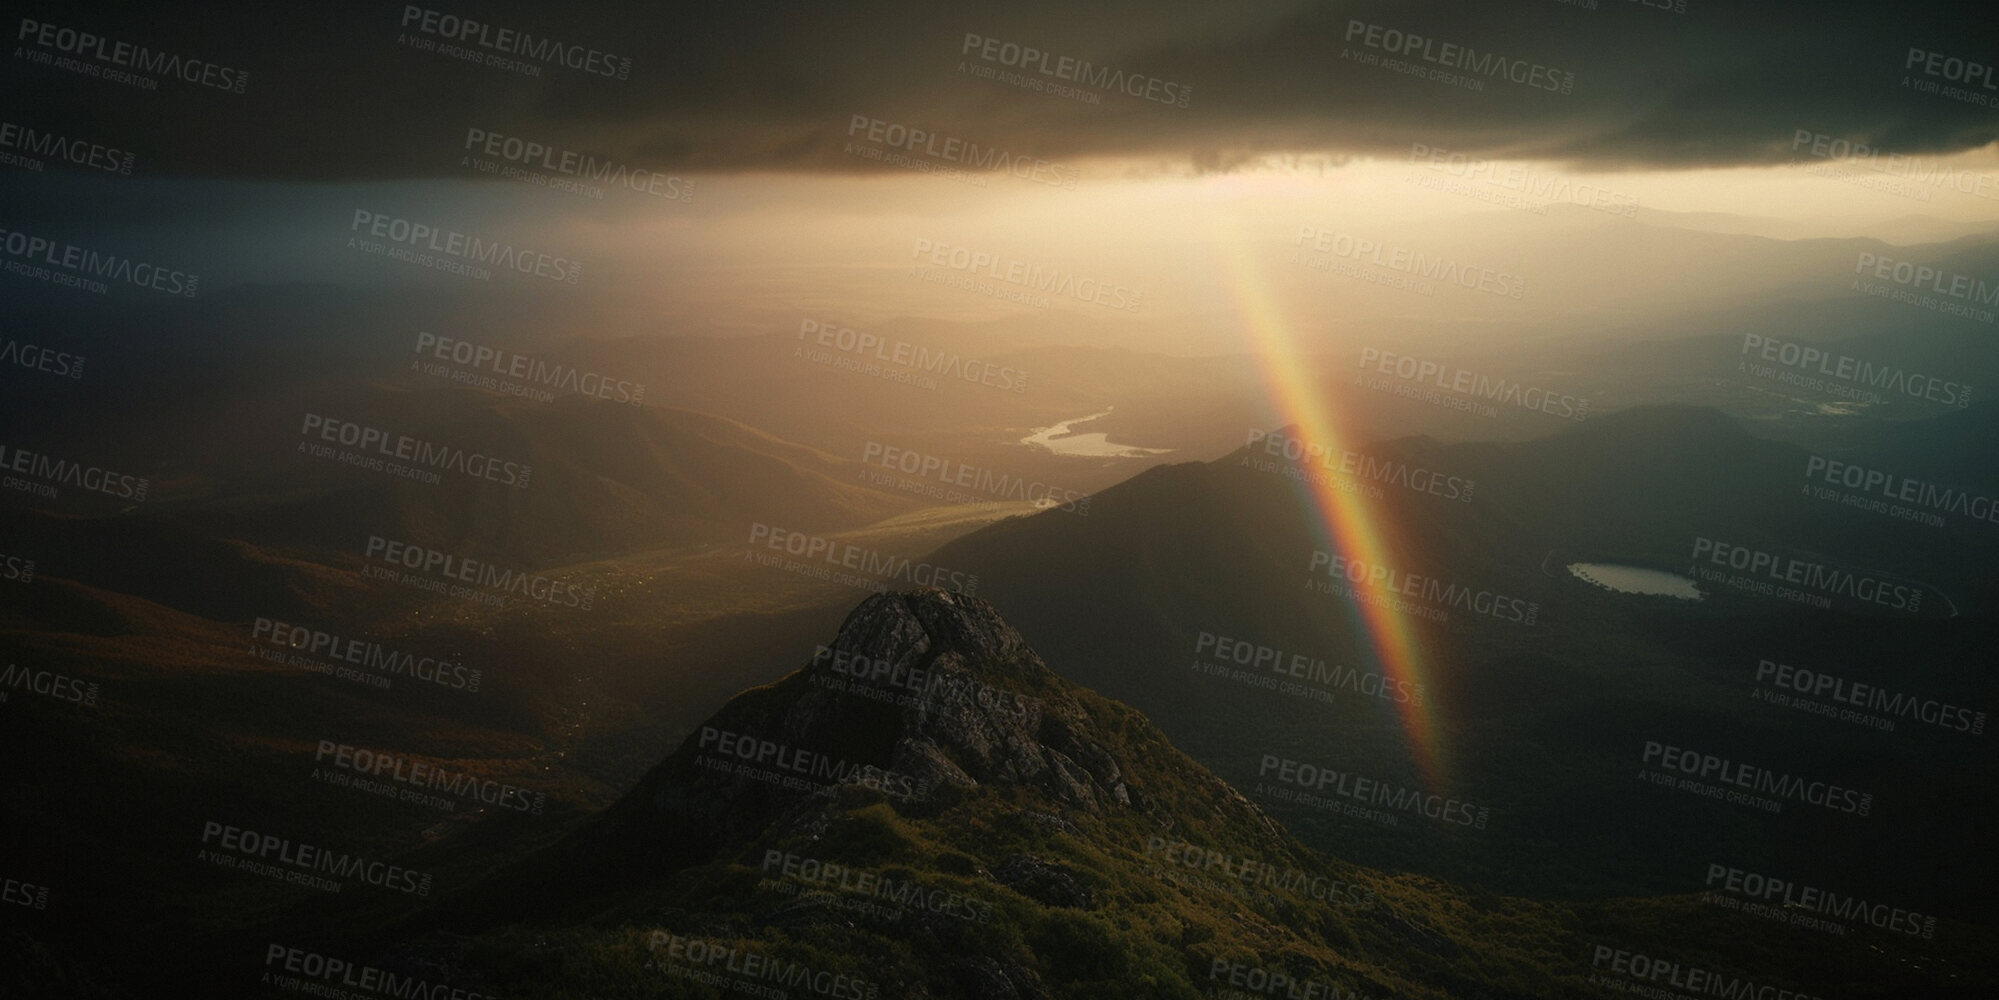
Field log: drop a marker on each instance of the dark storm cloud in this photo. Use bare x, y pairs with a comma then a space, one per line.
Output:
334, 92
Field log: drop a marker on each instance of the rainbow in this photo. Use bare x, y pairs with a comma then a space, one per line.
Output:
1345, 521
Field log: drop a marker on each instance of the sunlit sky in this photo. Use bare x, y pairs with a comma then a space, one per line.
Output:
750, 252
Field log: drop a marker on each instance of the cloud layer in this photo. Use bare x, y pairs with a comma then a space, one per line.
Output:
359, 91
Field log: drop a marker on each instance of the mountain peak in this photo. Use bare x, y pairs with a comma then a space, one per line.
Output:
921, 698
909, 629
1033, 798
968, 700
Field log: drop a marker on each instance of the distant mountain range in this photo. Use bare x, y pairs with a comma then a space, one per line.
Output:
1536, 718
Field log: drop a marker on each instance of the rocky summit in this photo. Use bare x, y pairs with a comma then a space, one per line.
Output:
927, 810
920, 698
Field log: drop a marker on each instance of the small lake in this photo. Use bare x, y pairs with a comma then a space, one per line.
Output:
1059, 440
1636, 580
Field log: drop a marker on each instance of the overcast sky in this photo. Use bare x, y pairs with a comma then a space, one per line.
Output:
348, 90
1159, 147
